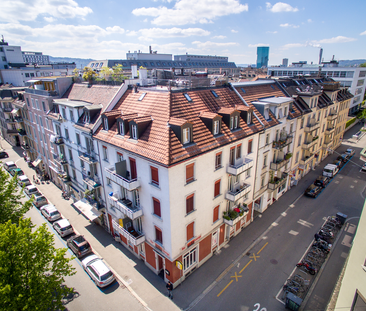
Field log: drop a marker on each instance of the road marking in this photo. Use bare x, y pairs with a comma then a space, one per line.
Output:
284, 214
274, 224
337, 182
347, 240
236, 276
224, 288
352, 186
254, 257
245, 266
293, 232
262, 248
305, 223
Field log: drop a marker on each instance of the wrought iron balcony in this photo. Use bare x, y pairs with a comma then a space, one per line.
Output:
279, 144
126, 207
89, 157
305, 160
237, 169
132, 236
129, 184
275, 166
92, 181
277, 182
238, 193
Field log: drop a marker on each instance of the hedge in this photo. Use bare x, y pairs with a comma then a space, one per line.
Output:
350, 121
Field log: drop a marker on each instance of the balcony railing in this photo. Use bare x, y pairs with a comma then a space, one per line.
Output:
129, 184
88, 157
329, 130
93, 181
22, 132
10, 120
277, 182
60, 159
233, 217
12, 131
305, 160
41, 92
238, 193
311, 127
310, 144
326, 145
65, 177
275, 166
279, 144
133, 237
18, 119
59, 140
7, 109
240, 168
332, 116
126, 207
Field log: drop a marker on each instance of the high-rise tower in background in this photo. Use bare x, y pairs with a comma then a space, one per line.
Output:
262, 56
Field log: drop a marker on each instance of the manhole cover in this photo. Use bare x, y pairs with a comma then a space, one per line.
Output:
248, 254
273, 261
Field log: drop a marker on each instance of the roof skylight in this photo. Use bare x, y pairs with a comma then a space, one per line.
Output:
214, 94
187, 96
142, 96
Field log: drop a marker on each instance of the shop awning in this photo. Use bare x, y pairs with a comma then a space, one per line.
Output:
89, 211
36, 162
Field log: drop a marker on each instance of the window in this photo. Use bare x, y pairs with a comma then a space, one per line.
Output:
142, 96
190, 259
82, 163
134, 131
286, 111
297, 157
214, 94
154, 176
33, 103
299, 142
291, 127
37, 104
78, 139
262, 182
119, 157
249, 119
216, 213
302, 123
231, 123
189, 173
105, 154
63, 113
40, 121
250, 143
27, 101
218, 160
186, 135
105, 124
190, 231
236, 122
323, 128
156, 205
74, 173
238, 151
190, 204
121, 128
249, 170
267, 139
44, 106
217, 188
158, 235
265, 161
71, 115
187, 97
67, 134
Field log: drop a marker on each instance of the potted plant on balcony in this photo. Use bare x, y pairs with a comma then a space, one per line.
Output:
288, 156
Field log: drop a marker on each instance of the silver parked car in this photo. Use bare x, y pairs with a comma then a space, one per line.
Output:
98, 270
63, 227
50, 212
29, 190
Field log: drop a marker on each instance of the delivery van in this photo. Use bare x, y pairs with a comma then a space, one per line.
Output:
330, 170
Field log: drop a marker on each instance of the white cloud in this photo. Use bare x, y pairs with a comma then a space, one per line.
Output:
339, 39
219, 37
363, 33
275, 31
310, 20
258, 44
234, 31
280, 7
147, 34
29, 10
293, 45
287, 25
191, 11
49, 19
210, 44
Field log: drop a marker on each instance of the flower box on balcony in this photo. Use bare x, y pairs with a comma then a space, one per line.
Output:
232, 217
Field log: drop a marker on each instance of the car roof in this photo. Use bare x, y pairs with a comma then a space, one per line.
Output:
63, 223
100, 267
49, 207
23, 177
9, 163
88, 259
31, 187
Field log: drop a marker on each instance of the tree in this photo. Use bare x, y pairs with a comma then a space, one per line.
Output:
32, 270
105, 73
118, 73
363, 65
89, 74
11, 206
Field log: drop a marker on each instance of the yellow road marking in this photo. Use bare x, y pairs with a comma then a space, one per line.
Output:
254, 257
262, 248
225, 288
236, 276
246, 266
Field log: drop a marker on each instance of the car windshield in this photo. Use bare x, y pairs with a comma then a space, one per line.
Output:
328, 171
54, 213
106, 276
83, 247
66, 228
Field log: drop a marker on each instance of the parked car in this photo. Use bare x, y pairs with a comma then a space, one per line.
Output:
63, 227
350, 151
363, 168
98, 270
343, 157
313, 191
23, 181
79, 246
50, 212
16, 170
3, 154
9, 165
322, 181
39, 200
331, 170
30, 190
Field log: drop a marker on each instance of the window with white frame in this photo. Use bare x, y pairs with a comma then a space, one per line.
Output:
190, 259
216, 129
105, 153
121, 128
134, 131
186, 135
105, 124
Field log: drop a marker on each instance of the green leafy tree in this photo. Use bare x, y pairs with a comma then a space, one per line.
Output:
118, 73
32, 270
363, 65
89, 74
105, 73
11, 206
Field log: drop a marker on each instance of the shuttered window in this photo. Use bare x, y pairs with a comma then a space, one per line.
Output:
218, 160
158, 235
189, 203
250, 146
190, 231
217, 188
238, 151
190, 173
154, 176
216, 213
157, 210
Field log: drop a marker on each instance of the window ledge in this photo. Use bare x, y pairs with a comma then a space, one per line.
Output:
188, 183
159, 243
219, 195
190, 144
157, 217
216, 222
106, 160
155, 185
190, 212
217, 168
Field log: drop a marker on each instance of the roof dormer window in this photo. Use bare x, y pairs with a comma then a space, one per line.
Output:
121, 128
234, 122
105, 124
186, 139
216, 127
249, 118
134, 131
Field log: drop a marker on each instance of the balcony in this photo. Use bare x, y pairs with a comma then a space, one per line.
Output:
282, 143
25, 146
326, 145
240, 168
232, 217
18, 119
329, 130
61, 159
65, 177
92, 181
89, 157
311, 127
10, 120
7, 109
305, 160
126, 207
133, 236
11, 131
277, 182
238, 193
41, 92
22, 132
310, 144
275, 166
58, 140
332, 116
129, 184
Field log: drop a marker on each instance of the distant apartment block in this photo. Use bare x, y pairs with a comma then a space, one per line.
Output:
262, 56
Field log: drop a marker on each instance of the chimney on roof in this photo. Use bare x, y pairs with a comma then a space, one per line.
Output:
320, 55
150, 51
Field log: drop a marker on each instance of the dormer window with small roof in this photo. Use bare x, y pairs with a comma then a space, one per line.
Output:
105, 124
138, 126
230, 117
183, 129
121, 128
212, 122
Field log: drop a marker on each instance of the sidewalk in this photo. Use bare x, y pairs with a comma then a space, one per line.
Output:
140, 281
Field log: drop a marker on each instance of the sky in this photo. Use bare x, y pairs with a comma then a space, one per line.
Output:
108, 29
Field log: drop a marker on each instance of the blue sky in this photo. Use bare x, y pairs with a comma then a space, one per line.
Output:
234, 28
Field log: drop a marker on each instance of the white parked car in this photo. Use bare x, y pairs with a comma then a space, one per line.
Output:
50, 212
98, 270
23, 180
350, 152
63, 227
29, 190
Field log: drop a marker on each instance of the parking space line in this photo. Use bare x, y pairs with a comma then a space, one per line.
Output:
262, 248
225, 288
245, 266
